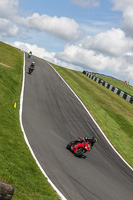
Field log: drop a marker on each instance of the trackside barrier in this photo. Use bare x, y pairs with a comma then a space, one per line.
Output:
116, 90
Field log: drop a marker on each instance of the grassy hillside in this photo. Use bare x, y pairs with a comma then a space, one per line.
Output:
17, 166
113, 114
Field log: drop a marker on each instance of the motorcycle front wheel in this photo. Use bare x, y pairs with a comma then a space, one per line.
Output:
80, 151
69, 145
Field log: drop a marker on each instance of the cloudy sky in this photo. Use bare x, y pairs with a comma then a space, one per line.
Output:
92, 35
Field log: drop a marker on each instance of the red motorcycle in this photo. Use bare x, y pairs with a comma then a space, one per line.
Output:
80, 146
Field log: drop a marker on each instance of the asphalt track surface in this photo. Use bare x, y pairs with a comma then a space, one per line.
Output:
52, 117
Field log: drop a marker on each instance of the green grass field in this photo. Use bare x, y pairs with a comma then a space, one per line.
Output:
17, 166
112, 113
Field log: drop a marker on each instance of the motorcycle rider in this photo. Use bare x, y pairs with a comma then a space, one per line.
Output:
91, 140
81, 143
29, 54
32, 65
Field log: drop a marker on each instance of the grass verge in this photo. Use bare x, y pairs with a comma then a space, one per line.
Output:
113, 114
17, 166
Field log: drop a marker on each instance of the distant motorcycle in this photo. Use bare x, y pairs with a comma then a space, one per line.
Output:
81, 146
32, 67
29, 54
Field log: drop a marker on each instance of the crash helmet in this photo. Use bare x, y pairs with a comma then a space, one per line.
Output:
33, 63
94, 139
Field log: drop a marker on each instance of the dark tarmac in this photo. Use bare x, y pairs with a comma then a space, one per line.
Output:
52, 117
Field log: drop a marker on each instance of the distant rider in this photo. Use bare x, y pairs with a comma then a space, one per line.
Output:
29, 54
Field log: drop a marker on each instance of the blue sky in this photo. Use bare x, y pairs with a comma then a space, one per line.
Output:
93, 35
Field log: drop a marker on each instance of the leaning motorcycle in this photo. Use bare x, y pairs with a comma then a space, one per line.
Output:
79, 147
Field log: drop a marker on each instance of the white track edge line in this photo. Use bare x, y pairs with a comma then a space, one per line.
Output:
26, 139
93, 119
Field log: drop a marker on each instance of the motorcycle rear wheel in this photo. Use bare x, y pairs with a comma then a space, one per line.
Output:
80, 151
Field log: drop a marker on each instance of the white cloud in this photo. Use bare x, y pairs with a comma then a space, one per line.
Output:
126, 6
109, 51
112, 42
42, 53
122, 4
123, 67
37, 51
128, 21
83, 57
86, 3
7, 28
77, 58
8, 8
63, 27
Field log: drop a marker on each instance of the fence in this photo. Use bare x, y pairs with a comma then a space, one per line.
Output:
114, 89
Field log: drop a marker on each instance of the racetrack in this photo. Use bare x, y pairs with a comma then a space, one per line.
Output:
52, 117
